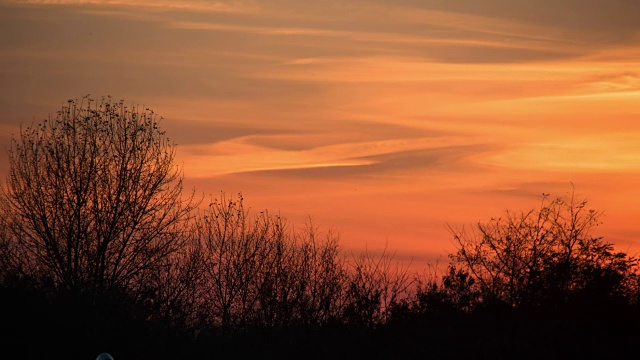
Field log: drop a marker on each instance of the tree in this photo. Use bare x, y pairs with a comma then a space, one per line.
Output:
258, 272
93, 198
235, 250
377, 285
542, 257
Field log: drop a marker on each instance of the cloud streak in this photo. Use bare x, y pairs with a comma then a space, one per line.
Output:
190, 5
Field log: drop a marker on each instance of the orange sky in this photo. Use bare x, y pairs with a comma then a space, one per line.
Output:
384, 120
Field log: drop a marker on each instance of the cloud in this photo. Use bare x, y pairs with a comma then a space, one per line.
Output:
341, 131
621, 82
431, 34
584, 20
190, 132
185, 5
604, 152
448, 159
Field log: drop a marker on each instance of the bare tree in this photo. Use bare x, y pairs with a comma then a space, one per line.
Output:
305, 281
258, 271
541, 256
235, 250
8, 266
323, 276
376, 285
171, 293
93, 197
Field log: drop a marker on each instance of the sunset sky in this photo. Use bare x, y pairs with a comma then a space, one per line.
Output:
383, 120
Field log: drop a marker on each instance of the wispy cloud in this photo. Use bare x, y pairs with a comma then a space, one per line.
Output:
242, 155
605, 152
188, 5
238, 157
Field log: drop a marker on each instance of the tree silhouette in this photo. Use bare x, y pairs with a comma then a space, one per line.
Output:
544, 256
258, 272
93, 199
377, 284
99, 244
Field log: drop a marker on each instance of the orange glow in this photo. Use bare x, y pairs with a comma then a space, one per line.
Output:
385, 131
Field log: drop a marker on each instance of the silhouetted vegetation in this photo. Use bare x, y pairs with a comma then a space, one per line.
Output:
101, 250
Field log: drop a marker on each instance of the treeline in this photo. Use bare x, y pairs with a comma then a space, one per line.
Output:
102, 250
